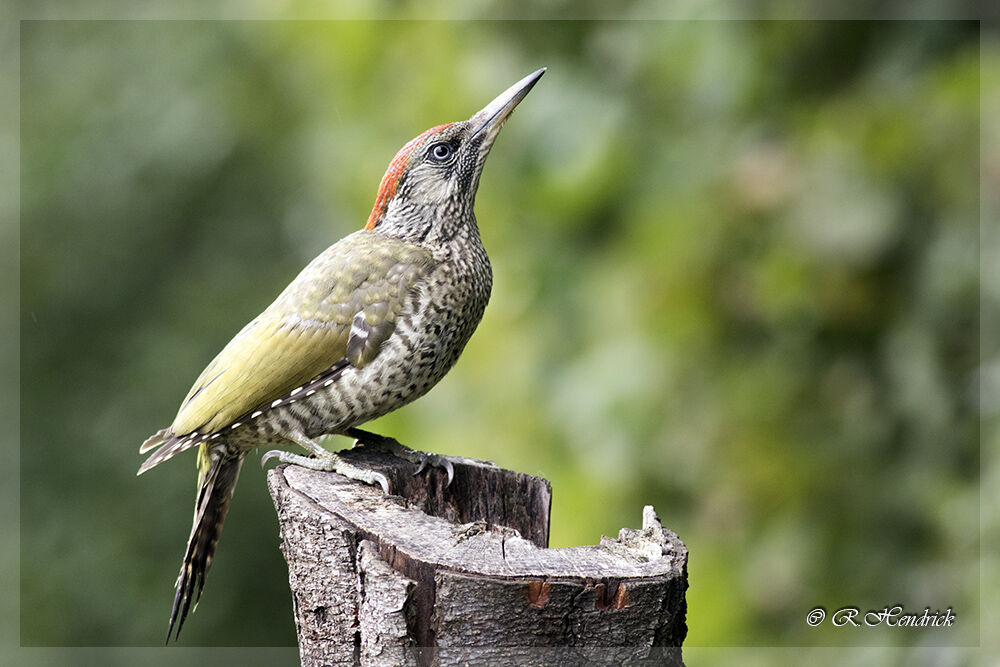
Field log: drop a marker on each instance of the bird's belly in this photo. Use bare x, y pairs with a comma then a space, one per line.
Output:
428, 340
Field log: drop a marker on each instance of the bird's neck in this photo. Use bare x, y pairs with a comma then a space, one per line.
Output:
431, 225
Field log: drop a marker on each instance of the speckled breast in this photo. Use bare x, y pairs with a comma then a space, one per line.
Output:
433, 329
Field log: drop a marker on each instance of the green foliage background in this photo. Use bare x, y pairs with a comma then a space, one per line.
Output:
737, 277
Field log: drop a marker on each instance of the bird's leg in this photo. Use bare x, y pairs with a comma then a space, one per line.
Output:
324, 459
383, 443
422, 460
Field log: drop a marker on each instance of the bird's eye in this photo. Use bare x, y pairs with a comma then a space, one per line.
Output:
441, 152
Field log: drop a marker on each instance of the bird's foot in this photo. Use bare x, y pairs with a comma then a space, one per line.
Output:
422, 460
431, 460
325, 460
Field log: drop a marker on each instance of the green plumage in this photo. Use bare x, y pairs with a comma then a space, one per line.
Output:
405, 293
306, 329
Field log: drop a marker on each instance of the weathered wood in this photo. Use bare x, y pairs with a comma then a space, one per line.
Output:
459, 574
383, 594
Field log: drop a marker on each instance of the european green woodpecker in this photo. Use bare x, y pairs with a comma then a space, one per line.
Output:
368, 326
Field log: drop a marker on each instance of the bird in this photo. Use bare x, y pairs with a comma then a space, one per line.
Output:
368, 326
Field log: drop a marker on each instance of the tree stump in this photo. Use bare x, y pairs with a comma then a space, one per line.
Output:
435, 575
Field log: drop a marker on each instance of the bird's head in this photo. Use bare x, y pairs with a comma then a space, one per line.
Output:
430, 186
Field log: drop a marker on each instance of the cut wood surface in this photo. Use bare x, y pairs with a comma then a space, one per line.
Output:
462, 574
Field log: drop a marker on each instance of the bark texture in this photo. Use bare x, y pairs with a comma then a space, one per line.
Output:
457, 575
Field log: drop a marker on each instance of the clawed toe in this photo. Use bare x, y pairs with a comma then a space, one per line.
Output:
436, 461
382, 481
327, 462
272, 454
423, 460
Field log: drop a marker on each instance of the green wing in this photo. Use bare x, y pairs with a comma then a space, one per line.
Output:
342, 306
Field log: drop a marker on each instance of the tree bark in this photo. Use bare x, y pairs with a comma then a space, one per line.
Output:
436, 575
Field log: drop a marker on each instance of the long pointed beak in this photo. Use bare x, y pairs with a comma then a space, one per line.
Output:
491, 118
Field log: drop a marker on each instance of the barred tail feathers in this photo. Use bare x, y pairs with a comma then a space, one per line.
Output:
157, 438
219, 468
169, 446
